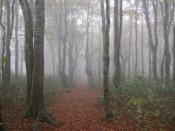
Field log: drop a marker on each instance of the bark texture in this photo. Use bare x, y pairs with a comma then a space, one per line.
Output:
28, 20
105, 13
117, 41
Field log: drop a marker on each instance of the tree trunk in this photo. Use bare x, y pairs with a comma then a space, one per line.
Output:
155, 6
162, 66
117, 41
28, 21
53, 60
130, 43
106, 41
16, 40
167, 11
71, 53
63, 73
142, 48
150, 63
37, 99
136, 40
10, 24
174, 57
89, 70
3, 42
167, 60
60, 44
1, 119
152, 46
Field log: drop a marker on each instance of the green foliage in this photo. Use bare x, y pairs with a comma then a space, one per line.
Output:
137, 102
147, 100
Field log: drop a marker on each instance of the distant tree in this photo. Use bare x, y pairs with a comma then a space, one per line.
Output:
152, 45
74, 48
16, 39
64, 52
142, 47
105, 14
130, 41
59, 30
89, 70
9, 30
174, 56
136, 36
3, 39
167, 11
118, 21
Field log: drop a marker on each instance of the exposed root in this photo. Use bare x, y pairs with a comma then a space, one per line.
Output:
42, 116
45, 117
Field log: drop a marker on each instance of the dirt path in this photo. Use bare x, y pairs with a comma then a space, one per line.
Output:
80, 110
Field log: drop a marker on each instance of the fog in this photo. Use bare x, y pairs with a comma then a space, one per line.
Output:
115, 54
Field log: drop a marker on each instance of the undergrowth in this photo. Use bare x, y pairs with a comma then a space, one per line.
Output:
13, 95
150, 103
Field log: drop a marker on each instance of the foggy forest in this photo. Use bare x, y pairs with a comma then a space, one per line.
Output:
87, 65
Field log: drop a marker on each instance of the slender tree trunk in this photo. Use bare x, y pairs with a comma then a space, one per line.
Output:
106, 41
162, 66
22, 60
71, 54
63, 73
60, 44
10, 24
7, 68
3, 41
174, 57
150, 63
155, 6
142, 48
166, 39
53, 60
167, 11
153, 46
136, 41
117, 41
16, 40
100, 63
130, 45
89, 70
167, 60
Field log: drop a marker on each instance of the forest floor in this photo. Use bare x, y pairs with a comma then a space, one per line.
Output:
80, 109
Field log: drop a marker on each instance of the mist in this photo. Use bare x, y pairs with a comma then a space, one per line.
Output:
74, 65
